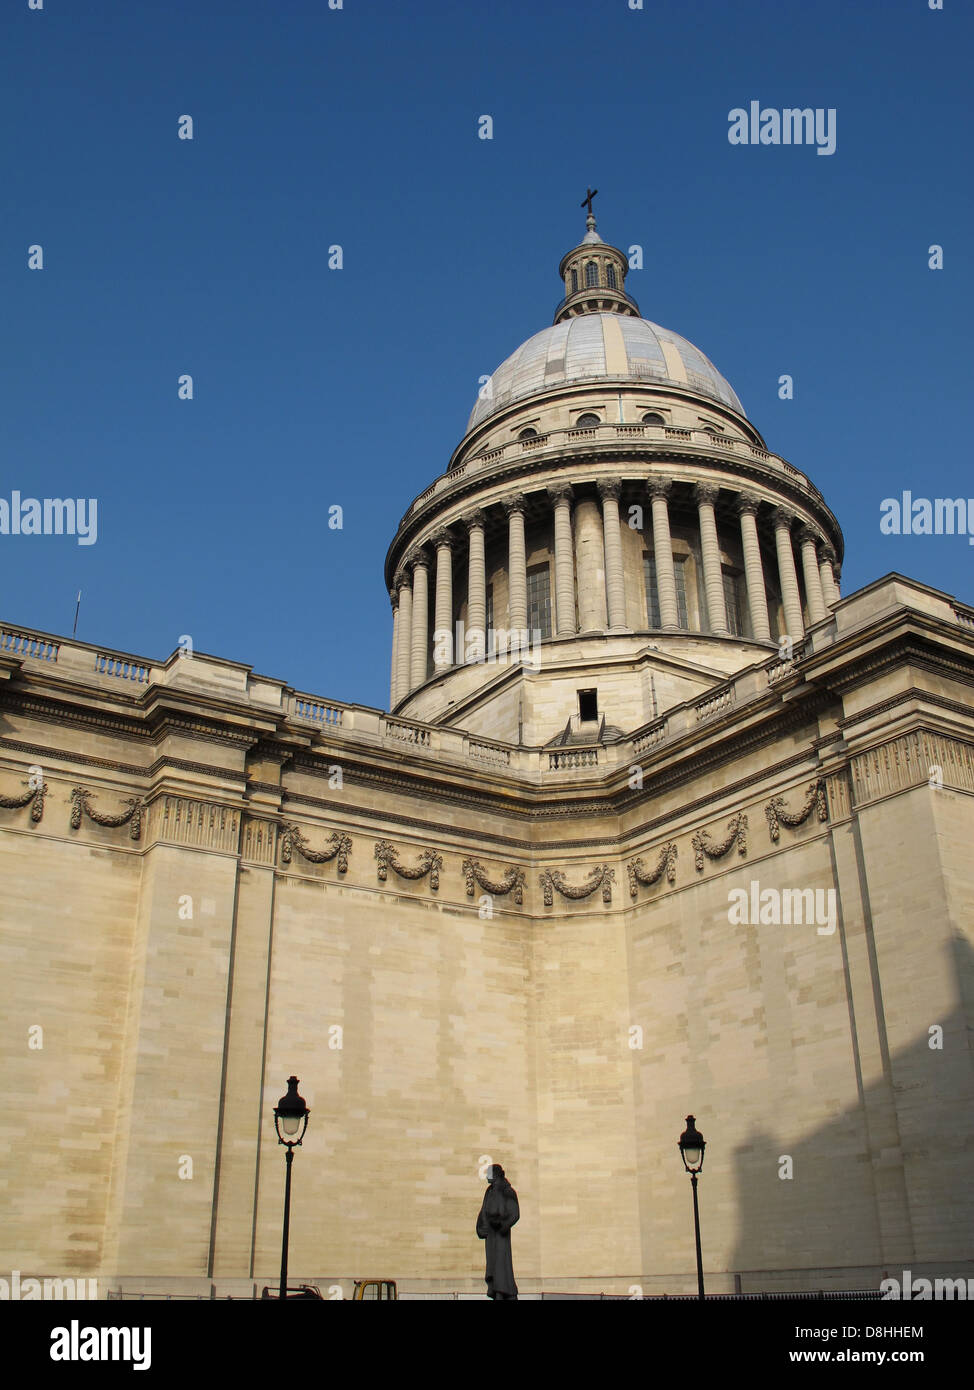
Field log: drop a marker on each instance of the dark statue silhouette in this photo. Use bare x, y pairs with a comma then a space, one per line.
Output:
498, 1213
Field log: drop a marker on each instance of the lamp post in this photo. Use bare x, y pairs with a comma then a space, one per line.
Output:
291, 1121
691, 1151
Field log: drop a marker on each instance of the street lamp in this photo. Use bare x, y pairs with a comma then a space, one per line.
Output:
291, 1121
691, 1147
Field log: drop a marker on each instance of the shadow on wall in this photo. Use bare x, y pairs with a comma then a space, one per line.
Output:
888, 1184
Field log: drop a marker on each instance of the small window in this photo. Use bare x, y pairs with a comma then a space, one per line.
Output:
529, 433
574, 281
588, 705
591, 274
611, 276
587, 421
651, 418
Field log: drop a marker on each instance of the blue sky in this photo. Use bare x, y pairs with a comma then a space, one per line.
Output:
315, 387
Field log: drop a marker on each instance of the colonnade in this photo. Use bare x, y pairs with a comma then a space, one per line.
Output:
597, 547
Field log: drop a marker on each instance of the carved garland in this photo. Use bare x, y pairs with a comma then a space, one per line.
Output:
474, 872
602, 877
737, 832
292, 838
429, 863
35, 793
667, 864
80, 801
814, 797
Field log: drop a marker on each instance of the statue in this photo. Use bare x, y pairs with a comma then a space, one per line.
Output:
498, 1213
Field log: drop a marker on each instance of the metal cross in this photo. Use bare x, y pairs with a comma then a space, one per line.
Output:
587, 200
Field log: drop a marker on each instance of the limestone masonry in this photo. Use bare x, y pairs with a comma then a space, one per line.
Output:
575, 885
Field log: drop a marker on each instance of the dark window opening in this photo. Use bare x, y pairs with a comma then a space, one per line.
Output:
611, 276
591, 274
588, 705
587, 421
651, 418
529, 433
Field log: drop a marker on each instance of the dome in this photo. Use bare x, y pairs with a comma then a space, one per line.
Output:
594, 346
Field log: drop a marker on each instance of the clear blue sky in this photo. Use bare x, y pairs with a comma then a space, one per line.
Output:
315, 387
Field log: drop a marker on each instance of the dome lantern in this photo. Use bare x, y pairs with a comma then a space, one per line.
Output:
594, 275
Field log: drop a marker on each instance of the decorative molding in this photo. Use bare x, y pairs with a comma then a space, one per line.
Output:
737, 834
292, 838
602, 877
474, 872
911, 761
80, 802
560, 492
775, 809
609, 487
666, 863
258, 840
190, 821
706, 492
429, 863
35, 793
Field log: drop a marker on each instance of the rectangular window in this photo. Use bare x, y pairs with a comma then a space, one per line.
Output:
652, 592
588, 706
539, 602
733, 602
652, 598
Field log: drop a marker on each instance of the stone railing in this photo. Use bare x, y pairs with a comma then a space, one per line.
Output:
563, 758
609, 433
495, 754
319, 712
714, 702
32, 644
965, 616
420, 735
650, 737
123, 667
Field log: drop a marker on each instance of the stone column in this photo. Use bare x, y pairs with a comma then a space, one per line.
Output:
565, 624
610, 489
421, 618
757, 598
659, 489
590, 562
475, 638
394, 664
787, 574
826, 569
403, 682
808, 541
705, 495
443, 606
517, 569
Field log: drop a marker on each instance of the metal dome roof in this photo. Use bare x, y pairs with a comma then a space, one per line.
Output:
594, 346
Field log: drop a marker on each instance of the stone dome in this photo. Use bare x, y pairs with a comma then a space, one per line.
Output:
611, 346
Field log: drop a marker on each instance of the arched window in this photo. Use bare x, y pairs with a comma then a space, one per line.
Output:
529, 433
587, 421
651, 418
591, 274
611, 276
574, 281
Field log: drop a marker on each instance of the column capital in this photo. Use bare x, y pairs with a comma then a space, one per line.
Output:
517, 503
781, 516
826, 552
747, 504
417, 559
659, 487
706, 492
805, 533
610, 487
394, 597
401, 578
442, 537
474, 519
836, 571
561, 492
